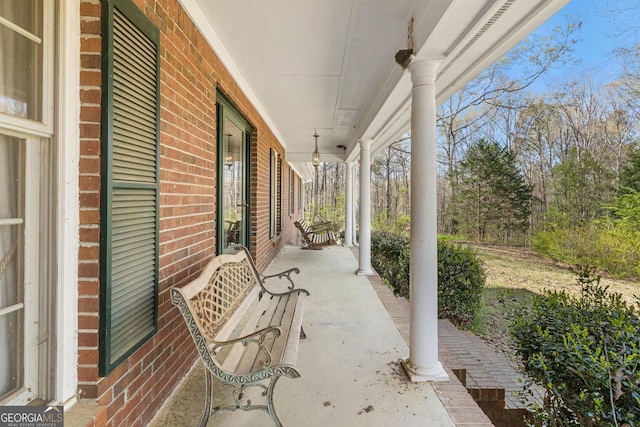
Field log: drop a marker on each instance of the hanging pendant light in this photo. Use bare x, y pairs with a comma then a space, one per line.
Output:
315, 157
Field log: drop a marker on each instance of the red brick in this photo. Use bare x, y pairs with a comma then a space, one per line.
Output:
87, 391
90, 78
89, 130
88, 305
88, 357
89, 183
88, 322
89, 113
90, 60
90, 9
86, 270
89, 165
88, 288
90, 217
87, 374
86, 339
90, 96
90, 27
90, 44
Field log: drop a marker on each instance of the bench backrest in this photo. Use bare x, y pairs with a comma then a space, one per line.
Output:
222, 286
302, 225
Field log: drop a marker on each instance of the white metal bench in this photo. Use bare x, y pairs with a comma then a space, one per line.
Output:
246, 335
316, 236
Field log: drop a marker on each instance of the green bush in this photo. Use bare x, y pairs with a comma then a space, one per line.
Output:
461, 278
396, 224
390, 258
461, 281
610, 244
585, 352
611, 247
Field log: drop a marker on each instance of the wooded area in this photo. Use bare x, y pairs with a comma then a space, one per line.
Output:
557, 169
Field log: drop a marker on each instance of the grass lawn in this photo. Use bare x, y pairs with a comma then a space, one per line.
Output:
514, 275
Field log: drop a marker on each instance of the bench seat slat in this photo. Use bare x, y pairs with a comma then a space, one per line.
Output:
234, 357
290, 352
266, 318
285, 312
283, 317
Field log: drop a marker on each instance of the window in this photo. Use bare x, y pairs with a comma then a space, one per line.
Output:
273, 194
27, 285
130, 183
300, 194
292, 192
280, 199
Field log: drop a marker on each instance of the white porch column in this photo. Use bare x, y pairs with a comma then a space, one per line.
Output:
354, 219
365, 208
423, 363
348, 206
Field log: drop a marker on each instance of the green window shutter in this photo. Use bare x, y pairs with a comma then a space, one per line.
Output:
130, 184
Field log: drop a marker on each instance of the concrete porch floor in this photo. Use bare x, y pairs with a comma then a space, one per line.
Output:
350, 362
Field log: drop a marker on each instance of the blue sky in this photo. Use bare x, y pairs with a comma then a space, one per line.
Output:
595, 40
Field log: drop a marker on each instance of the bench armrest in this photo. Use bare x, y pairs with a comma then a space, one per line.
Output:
287, 274
256, 337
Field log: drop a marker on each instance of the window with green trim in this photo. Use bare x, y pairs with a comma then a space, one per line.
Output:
273, 194
280, 198
130, 182
292, 192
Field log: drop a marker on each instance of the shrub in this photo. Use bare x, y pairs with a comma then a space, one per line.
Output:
461, 278
396, 224
390, 258
585, 352
608, 244
461, 281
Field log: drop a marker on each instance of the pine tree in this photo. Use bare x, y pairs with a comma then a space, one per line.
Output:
492, 201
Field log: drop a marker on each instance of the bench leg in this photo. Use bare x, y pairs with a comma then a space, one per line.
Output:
207, 403
242, 400
270, 408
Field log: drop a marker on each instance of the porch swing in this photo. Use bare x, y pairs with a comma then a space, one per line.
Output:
318, 234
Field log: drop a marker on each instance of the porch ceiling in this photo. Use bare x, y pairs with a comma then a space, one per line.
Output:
328, 65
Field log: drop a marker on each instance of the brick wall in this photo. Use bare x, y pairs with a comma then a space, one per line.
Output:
189, 73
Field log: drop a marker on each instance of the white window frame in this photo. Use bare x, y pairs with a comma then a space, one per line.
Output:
68, 206
41, 147
43, 128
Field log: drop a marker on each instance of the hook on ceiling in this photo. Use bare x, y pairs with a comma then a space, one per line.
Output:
403, 57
